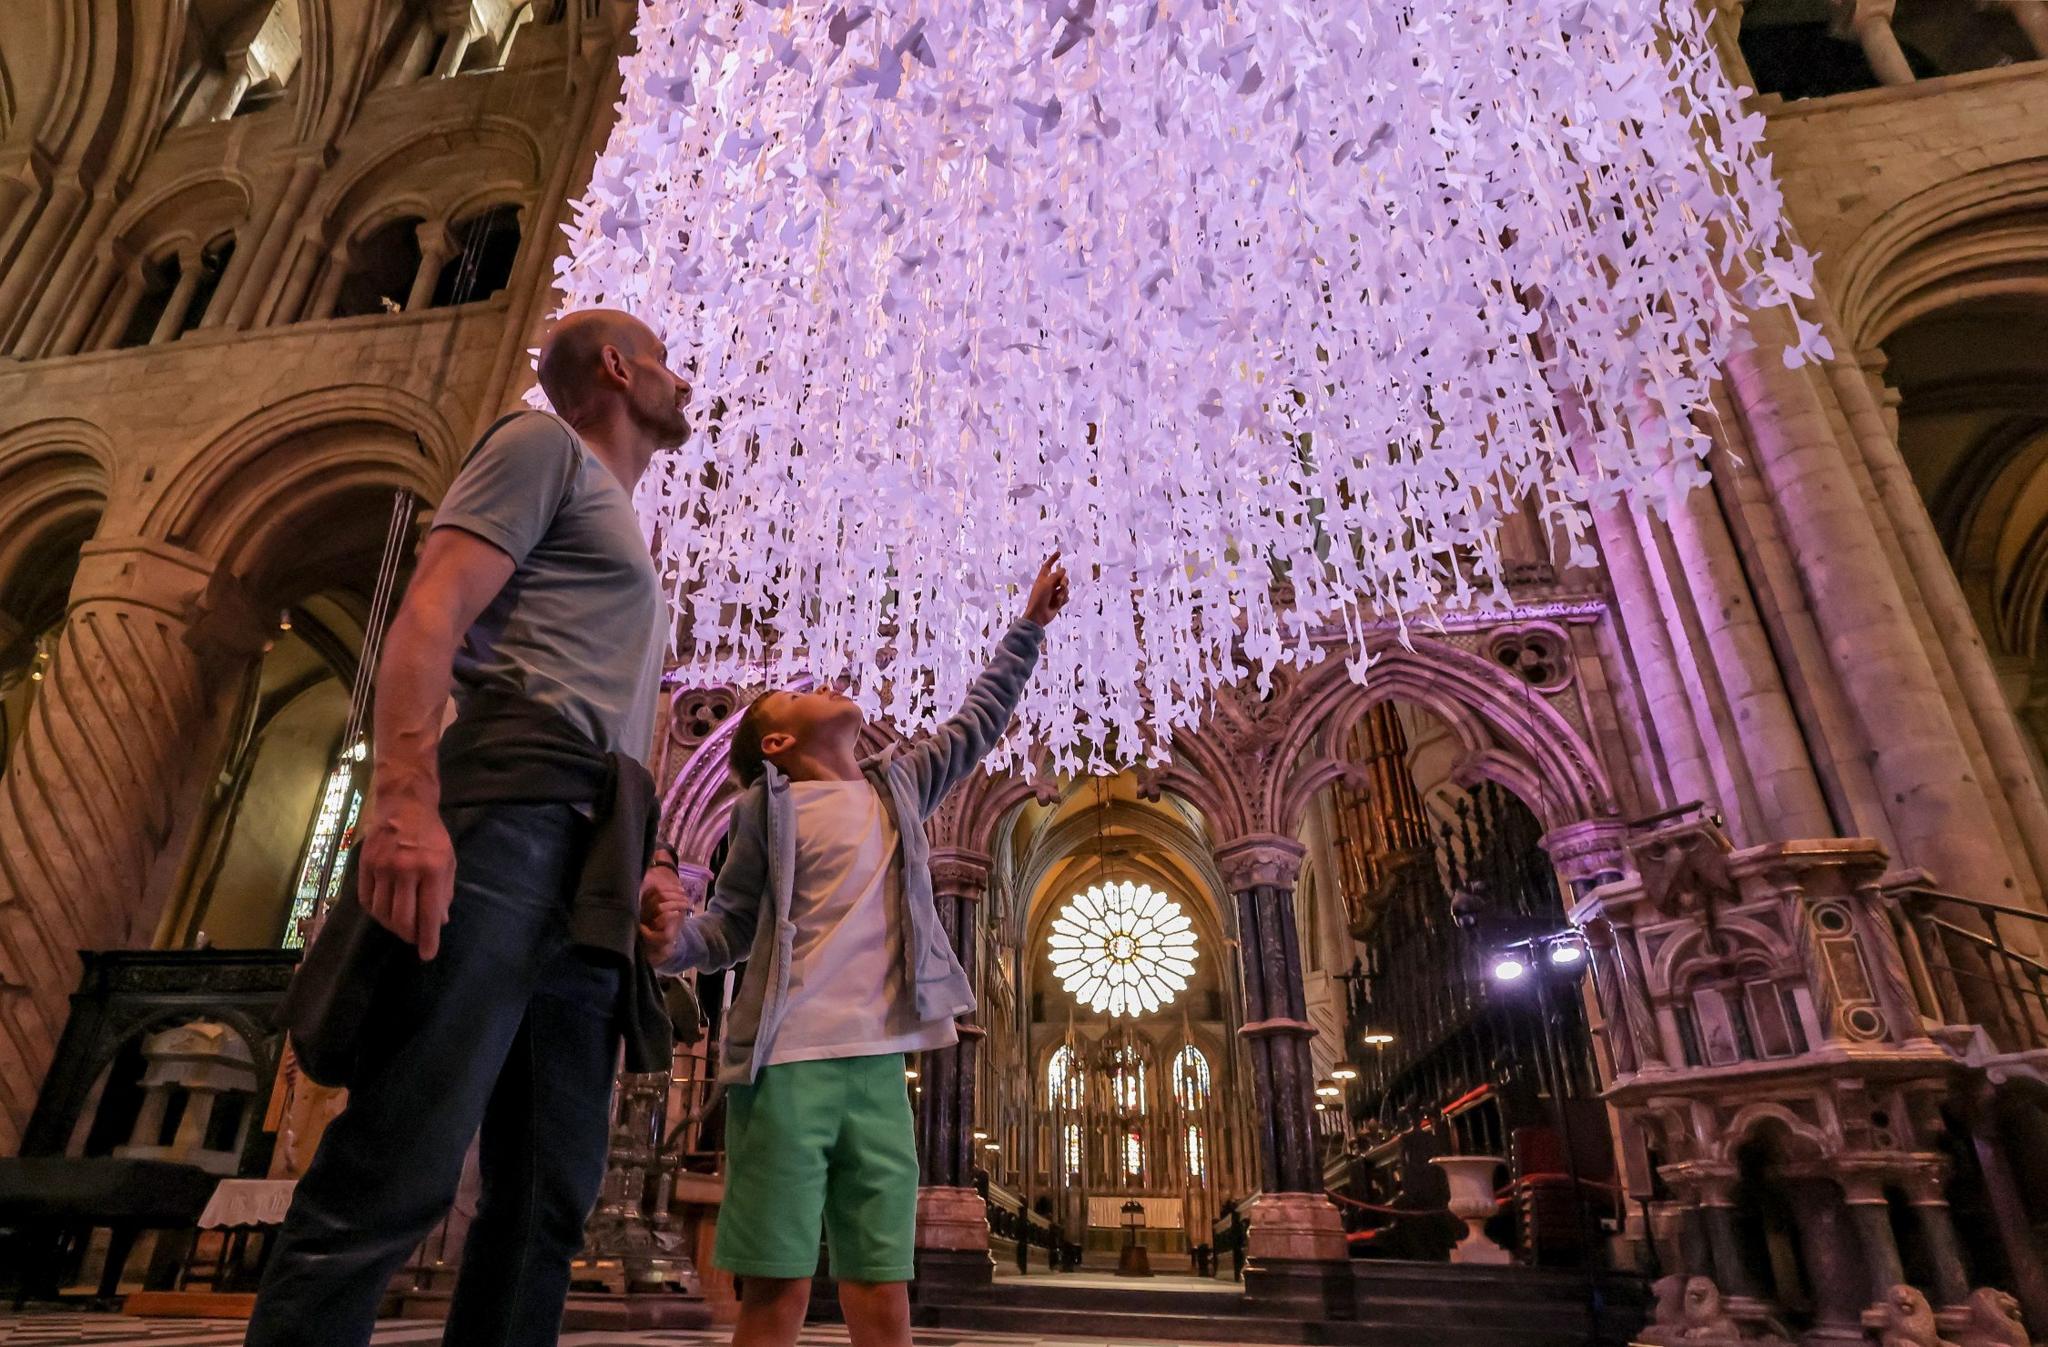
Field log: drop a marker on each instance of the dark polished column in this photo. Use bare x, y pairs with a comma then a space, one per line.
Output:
952, 1220
1297, 1238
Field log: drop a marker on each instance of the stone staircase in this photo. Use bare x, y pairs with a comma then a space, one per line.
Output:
1394, 1304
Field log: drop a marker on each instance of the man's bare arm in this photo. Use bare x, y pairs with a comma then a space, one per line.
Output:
406, 877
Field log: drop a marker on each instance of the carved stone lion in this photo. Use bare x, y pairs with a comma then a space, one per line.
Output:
1994, 1321
1908, 1320
1690, 1312
1667, 1312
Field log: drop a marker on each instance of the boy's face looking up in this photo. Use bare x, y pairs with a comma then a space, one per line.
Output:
802, 730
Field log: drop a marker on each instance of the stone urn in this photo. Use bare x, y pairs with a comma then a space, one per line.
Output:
1473, 1202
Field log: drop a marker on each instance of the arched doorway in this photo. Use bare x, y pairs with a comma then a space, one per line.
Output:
1126, 1069
1463, 1021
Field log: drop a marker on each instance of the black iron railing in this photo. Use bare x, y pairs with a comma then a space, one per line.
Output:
1978, 962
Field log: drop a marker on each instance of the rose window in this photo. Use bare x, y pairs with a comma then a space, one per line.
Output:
1125, 948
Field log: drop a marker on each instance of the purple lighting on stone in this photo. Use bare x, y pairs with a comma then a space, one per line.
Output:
1200, 295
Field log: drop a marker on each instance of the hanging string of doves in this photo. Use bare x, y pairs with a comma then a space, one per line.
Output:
1265, 313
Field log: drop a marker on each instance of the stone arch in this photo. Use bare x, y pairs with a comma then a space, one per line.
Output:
245, 501
194, 209
1510, 734
1730, 938
1157, 827
500, 160
1795, 1138
1979, 234
55, 477
698, 801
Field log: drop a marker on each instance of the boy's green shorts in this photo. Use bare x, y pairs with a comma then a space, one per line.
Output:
826, 1142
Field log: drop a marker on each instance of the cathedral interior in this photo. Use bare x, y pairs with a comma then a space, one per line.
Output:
1660, 958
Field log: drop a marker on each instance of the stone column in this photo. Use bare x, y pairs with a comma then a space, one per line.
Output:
1297, 1237
173, 320
269, 233
1936, 800
1827, 1245
436, 247
329, 294
1870, 22
1870, 1218
1926, 1192
87, 804
1717, 1213
952, 1220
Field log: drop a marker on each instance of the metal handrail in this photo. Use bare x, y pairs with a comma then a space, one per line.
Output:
2011, 985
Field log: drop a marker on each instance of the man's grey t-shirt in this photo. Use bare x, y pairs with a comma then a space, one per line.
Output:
579, 626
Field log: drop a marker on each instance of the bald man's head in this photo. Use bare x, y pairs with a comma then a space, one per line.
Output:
598, 363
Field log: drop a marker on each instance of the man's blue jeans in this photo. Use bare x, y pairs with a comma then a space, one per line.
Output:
510, 1029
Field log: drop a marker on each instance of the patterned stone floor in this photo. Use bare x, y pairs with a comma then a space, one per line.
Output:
113, 1330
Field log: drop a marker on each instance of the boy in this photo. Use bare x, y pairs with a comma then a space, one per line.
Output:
826, 894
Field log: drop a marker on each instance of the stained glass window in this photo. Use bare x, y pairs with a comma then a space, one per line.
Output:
1134, 1154
1191, 1084
1198, 1153
1125, 948
1070, 1139
1063, 1079
1127, 1084
340, 803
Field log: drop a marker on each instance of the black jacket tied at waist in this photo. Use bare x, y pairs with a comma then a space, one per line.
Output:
503, 749
508, 749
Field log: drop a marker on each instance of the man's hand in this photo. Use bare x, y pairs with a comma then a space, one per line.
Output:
1048, 592
663, 909
406, 876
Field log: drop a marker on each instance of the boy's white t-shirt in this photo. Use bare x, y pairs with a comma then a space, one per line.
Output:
846, 986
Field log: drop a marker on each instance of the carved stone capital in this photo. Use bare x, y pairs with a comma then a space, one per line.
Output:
144, 572
1588, 853
960, 872
1259, 861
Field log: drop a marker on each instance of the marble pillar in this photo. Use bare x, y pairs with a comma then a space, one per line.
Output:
1293, 1223
952, 1220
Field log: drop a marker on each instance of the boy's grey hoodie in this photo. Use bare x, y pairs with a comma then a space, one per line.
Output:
760, 868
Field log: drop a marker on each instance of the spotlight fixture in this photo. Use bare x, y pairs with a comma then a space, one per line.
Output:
1508, 967
1378, 1038
990, 1146
1344, 1073
980, 1135
1328, 1089
1567, 952
909, 1073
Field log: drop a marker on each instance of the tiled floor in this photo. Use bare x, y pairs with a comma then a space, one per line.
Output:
113, 1330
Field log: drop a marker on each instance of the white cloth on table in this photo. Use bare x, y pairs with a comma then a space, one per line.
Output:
244, 1202
1161, 1213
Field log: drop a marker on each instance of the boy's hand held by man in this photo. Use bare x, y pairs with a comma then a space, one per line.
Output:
664, 907
1048, 592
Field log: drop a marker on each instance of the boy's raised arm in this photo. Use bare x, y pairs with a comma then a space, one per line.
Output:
941, 761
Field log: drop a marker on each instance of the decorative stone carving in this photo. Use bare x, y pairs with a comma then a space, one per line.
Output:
1685, 867
1538, 657
1692, 1311
1993, 1321
1905, 1319
1255, 862
696, 713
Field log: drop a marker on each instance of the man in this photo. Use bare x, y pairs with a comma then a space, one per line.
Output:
494, 853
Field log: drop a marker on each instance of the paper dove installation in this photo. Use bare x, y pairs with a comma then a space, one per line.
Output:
1210, 294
